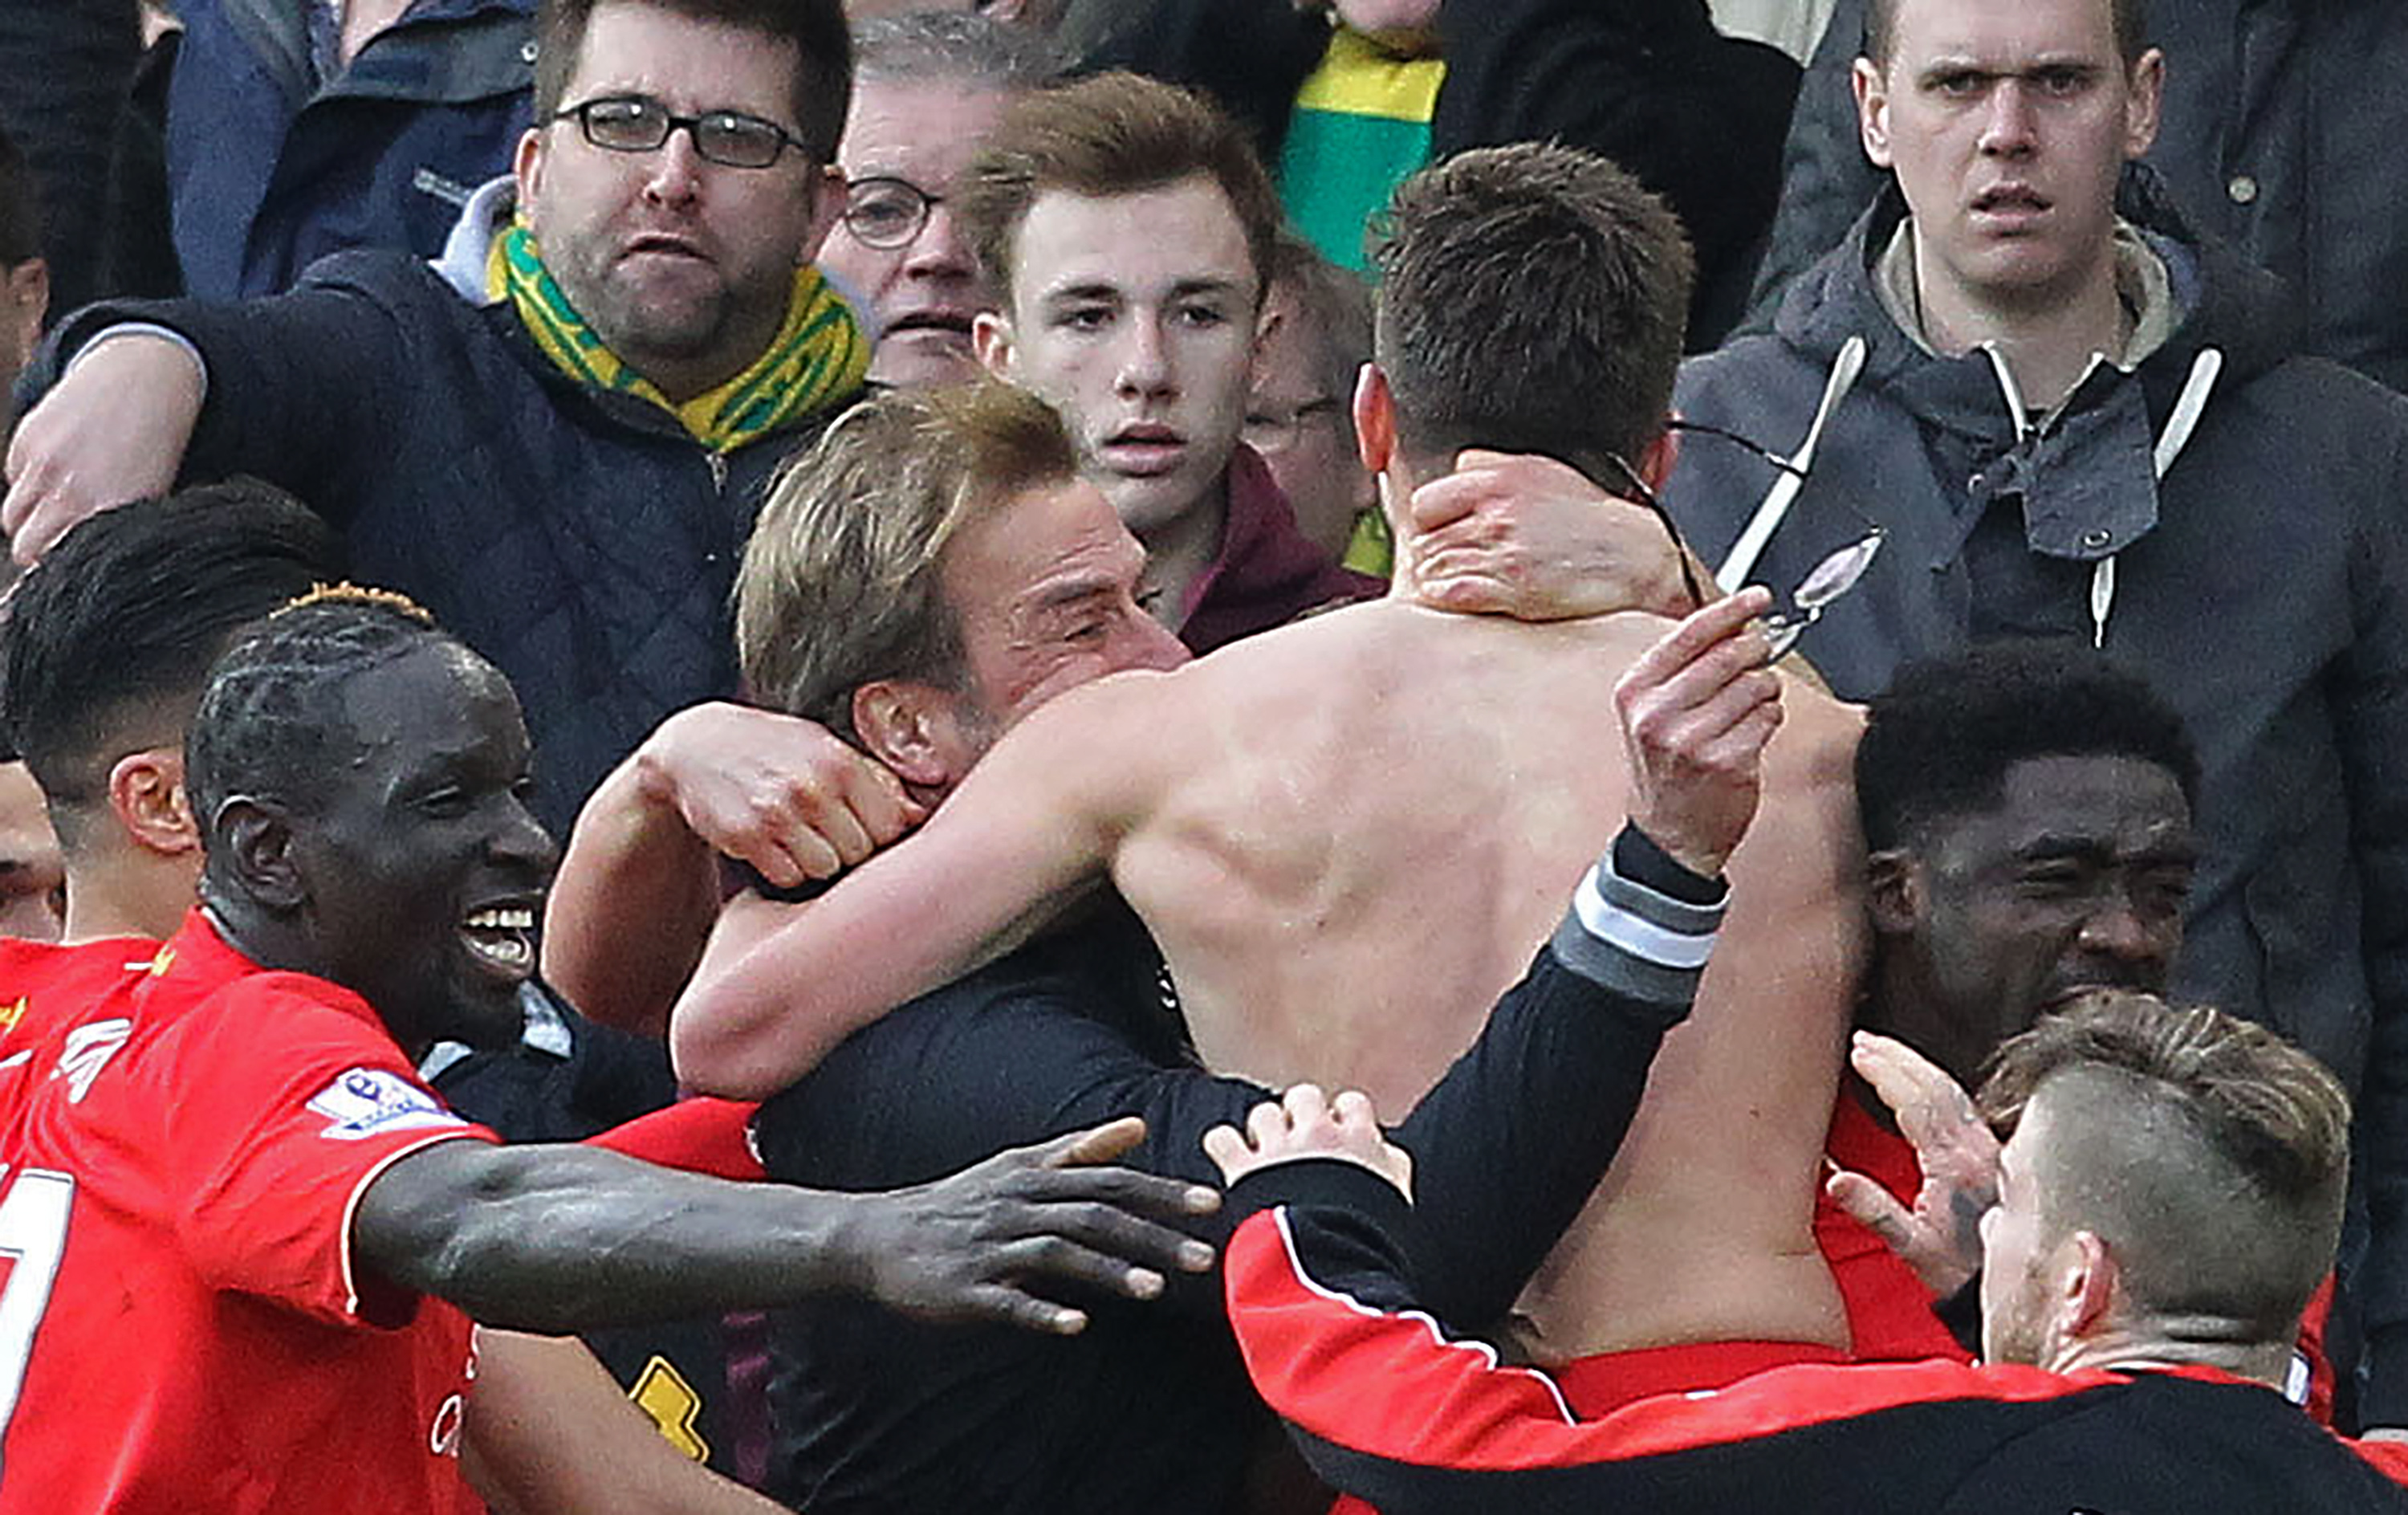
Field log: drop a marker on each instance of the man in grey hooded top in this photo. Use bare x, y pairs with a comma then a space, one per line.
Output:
2076, 419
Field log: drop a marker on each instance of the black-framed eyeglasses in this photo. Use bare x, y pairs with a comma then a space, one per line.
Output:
639, 124
1838, 573
883, 212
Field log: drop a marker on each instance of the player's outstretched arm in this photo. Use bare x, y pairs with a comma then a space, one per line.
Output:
555, 1238
638, 886
1028, 832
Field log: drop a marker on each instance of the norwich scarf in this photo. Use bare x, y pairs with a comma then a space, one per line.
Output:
1361, 125
820, 354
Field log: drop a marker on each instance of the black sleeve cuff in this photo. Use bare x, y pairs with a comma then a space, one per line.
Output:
1321, 1184
1638, 859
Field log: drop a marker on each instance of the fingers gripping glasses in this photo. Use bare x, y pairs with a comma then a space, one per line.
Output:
1831, 578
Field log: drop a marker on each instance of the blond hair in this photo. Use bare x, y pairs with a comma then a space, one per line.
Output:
840, 584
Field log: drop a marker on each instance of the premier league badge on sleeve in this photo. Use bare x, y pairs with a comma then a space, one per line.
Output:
371, 1101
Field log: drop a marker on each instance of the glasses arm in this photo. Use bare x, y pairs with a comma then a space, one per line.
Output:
1793, 469
1647, 497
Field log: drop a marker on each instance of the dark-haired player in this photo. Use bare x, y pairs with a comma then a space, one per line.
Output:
108, 649
106, 654
227, 1159
2028, 808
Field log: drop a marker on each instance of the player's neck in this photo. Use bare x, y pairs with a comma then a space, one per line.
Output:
2162, 1344
1397, 481
125, 896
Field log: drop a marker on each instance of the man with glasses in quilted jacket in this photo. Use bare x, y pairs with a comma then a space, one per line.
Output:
554, 435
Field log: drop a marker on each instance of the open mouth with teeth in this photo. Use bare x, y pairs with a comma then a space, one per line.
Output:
501, 940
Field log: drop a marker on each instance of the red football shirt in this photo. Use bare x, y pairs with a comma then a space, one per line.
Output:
180, 1327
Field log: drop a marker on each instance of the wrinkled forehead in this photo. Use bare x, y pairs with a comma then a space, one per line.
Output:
1051, 545
922, 129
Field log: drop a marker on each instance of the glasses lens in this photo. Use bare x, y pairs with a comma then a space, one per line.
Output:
1837, 573
738, 141
884, 212
625, 126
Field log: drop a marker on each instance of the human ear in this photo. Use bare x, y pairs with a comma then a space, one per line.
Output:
2145, 100
1656, 460
1375, 419
991, 339
146, 793
256, 836
911, 728
1873, 110
1893, 891
526, 169
2085, 1287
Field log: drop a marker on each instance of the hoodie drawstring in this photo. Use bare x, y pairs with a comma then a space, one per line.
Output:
2188, 406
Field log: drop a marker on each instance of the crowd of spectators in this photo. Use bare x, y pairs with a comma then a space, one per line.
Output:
1229, 756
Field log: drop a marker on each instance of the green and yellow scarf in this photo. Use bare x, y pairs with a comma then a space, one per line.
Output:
1360, 126
820, 354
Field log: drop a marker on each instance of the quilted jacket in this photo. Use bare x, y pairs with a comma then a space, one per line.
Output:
581, 541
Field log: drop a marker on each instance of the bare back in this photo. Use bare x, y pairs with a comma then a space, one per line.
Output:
1380, 815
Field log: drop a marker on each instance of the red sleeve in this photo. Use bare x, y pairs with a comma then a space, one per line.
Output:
288, 1102
1388, 1385
2388, 1458
700, 1135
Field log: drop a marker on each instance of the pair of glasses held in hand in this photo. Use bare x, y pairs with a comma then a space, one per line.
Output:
1828, 581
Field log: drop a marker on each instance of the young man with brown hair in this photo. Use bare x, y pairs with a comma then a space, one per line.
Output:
1127, 229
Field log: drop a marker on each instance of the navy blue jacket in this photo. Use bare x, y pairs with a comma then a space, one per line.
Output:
271, 167
581, 541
